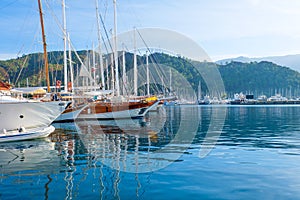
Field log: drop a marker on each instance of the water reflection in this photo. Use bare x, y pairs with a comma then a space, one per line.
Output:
140, 146
126, 159
28, 157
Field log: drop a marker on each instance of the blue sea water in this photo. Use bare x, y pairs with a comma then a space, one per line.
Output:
180, 152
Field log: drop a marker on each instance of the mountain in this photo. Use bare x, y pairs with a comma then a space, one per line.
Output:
248, 77
31, 67
291, 61
256, 78
260, 78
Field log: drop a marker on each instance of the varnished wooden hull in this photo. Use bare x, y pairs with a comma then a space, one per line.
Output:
121, 110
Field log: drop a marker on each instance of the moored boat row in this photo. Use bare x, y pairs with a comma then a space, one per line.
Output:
241, 99
29, 119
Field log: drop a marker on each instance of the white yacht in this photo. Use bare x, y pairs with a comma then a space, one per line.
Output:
19, 116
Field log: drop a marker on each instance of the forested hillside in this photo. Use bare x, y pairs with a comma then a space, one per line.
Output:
255, 77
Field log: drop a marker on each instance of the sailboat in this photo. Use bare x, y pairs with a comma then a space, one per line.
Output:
21, 118
117, 106
108, 104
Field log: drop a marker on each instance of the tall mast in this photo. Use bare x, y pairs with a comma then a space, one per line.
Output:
148, 79
199, 90
70, 63
112, 74
124, 71
116, 50
107, 77
65, 45
45, 47
94, 67
134, 66
99, 46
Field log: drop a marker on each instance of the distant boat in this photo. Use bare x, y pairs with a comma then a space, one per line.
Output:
277, 98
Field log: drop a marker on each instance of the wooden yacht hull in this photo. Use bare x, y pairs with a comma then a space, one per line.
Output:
111, 111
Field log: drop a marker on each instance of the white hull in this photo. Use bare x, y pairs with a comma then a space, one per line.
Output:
155, 108
26, 134
69, 116
14, 115
125, 114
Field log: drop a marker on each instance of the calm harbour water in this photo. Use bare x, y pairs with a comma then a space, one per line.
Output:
194, 152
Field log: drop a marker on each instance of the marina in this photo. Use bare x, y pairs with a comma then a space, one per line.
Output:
241, 99
110, 113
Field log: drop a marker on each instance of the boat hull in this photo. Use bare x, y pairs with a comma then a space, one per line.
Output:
110, 111
14, 115
24, 134
70, 114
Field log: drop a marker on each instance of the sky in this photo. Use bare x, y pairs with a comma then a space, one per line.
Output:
223, 28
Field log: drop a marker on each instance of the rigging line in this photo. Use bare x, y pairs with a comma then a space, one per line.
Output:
78, 57
152, 58
33, 40
102, 38
159, 71
72, 46
140, 59
60, 26
26, 58
105, 8
23, 26
106, 34
152, 75
8, 4
153, 86
22, 67
54, 16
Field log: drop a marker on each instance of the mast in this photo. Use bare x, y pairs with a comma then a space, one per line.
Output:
99, 46
116, 51
148, 79
199, 90
94, 67
124, 71
70, 63
107, 77
112, 74
45, 47
134, 66
65, 46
